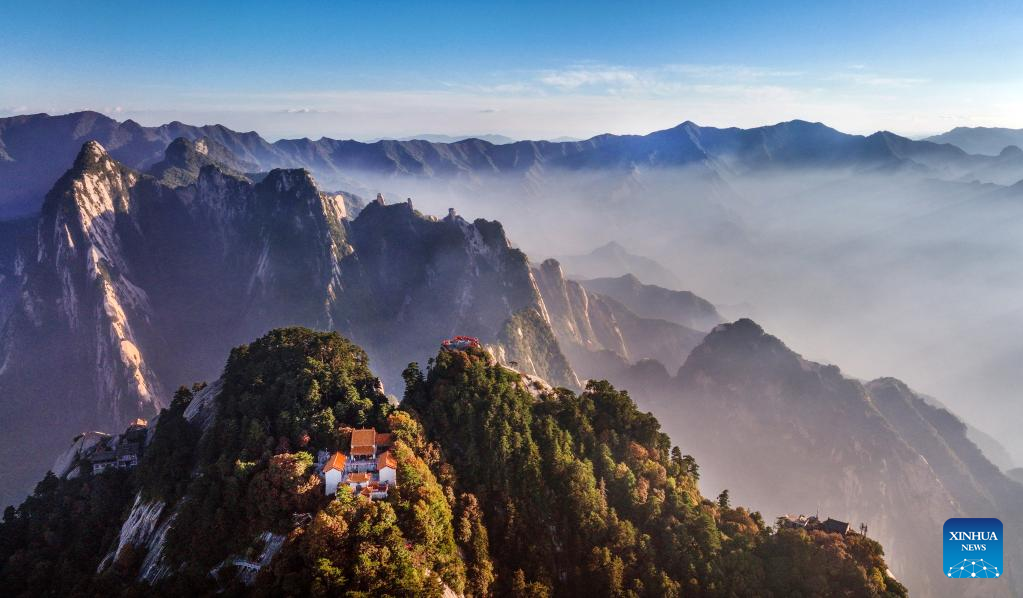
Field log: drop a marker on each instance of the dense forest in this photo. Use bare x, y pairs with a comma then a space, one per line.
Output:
505, 488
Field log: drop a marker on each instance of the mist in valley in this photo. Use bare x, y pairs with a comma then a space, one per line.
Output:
882, 274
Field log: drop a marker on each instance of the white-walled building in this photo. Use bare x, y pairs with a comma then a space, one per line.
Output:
369, 468
334, 472
387, 468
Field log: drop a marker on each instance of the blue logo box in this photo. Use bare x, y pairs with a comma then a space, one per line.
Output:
972, 548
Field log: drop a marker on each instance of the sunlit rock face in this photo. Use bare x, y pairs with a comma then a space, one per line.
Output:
603, 336
133, 287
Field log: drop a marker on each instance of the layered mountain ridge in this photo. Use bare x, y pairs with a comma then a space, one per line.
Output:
131, 283
603, 335
37, 148
613, 260
135, 280
990, 141
801, 433
498, 491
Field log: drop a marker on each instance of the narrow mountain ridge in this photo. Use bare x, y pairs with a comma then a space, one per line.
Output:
37, 148
500, 489
134, 283
602, 336
780, 431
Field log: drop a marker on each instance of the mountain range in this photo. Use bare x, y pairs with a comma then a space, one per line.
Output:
129, 285
612, 260
439, 138
502, 486
157, 250
990, 141
130, 282
793, 432
36, 149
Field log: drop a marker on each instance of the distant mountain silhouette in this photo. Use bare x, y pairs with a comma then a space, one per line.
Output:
613, 260
988, 141
109, 291
441, 138
652, 301
36, 149
878, 452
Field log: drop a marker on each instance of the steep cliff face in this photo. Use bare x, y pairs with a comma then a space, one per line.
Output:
651, 301
73, 350
98, 298
505, 487
132, 286
578, 317
184, 159
790, 432
978, 486
412, 280
39, 144
17, 239
601, 335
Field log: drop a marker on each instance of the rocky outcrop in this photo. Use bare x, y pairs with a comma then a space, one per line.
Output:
600, 335
412, 280
136, 287
185, 159
35, 149
651, 301
578, 317
781, 432
979, 487
81, 447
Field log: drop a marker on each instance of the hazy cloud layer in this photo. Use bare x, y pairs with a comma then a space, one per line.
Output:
578, 100
882, 275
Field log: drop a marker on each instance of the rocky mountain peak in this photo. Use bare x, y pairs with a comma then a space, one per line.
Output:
890, 385
185, 159
96, 185
761, 405
181, 149
631, 280
91, 154
742, 348
552, 267
611, 248
741, 329
296, 182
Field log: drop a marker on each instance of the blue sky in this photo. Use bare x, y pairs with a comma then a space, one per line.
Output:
524, 69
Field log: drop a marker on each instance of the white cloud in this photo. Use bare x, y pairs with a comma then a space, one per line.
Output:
301, 111
579, 77
582, 100
874, 80
662, 80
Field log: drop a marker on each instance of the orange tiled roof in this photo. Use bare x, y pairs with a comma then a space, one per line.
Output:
358, 478
363, 441
386, 460
336, 462
364, 437
383, 439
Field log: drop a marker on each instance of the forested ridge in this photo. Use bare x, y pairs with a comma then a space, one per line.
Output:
503, 490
